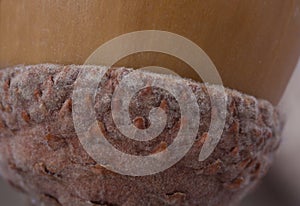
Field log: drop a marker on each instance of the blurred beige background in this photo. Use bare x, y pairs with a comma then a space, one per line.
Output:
280, 187
9, 197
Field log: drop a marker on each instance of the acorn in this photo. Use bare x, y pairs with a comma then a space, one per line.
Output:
48, 148
46, 154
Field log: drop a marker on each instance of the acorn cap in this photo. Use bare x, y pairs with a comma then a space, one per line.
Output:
42, 155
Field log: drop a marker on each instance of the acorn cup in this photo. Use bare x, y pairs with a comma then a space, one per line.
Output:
44, 147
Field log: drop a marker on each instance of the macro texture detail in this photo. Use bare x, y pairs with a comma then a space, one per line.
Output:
41, 155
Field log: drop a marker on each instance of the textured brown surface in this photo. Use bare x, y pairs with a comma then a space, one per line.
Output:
40, 153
